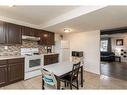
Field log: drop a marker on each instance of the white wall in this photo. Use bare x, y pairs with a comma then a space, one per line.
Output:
57, 37
117, 49
113, 41
89, 42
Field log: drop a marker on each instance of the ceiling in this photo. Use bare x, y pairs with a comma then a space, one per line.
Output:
105, 18
102, 18
34, 14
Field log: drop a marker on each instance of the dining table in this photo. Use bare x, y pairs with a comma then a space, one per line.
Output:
60, 70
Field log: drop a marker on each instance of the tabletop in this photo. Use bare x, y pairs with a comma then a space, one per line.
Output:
59, 68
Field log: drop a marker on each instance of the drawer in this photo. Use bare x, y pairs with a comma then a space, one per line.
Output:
51, 59
47, 56
3, 62
17, 60
51, 56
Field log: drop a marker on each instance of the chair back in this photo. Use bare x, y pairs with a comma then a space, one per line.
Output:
49, 78
75, 71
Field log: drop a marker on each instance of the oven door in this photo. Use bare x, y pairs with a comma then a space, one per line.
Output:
32, 63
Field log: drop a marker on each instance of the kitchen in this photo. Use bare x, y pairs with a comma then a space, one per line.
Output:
36, 39
24, 50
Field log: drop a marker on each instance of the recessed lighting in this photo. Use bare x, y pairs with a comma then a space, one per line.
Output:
11, 5
67, 30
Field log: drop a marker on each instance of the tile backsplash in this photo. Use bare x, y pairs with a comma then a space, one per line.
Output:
15, 49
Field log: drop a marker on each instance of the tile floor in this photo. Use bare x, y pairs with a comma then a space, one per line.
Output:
92, 81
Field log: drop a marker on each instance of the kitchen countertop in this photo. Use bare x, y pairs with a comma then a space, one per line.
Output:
49, 53
19, 56
10, 57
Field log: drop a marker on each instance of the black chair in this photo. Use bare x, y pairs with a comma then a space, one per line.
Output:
72, 77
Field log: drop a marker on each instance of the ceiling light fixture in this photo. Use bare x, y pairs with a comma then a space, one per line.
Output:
11, 3
67, 30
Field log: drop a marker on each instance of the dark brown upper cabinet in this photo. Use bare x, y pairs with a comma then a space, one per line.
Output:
51, 38
30, 31
47, 38
10, 33
2, 33
27, 31
44, 38
36, 32
14, 33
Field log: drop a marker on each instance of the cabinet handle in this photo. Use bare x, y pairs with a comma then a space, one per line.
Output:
8, 69
5, 69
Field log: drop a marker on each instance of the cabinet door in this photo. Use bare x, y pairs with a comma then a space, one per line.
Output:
14, 34
3, 73
44, 38
51, 38
47, 38
15, 70
27, 31
2, 33
51, 59
47, 59
36, 32
30, 31
55, 58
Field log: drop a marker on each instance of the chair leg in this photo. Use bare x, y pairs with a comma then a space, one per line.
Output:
77, 85
71, 86
43, 84
65, 84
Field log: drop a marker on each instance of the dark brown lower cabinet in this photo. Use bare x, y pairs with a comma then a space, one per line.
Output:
51, 59
11, 71
15, 72
3, 73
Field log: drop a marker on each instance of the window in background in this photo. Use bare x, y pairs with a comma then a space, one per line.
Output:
104, 45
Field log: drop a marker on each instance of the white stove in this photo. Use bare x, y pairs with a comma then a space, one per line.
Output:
33, 62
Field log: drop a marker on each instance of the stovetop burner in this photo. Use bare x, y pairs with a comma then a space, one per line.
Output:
30, 51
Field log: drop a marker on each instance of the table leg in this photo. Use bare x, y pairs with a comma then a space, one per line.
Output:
42, 83
58, 83
82, 76
119, 59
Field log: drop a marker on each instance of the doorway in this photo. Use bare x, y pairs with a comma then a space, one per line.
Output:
113, 53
